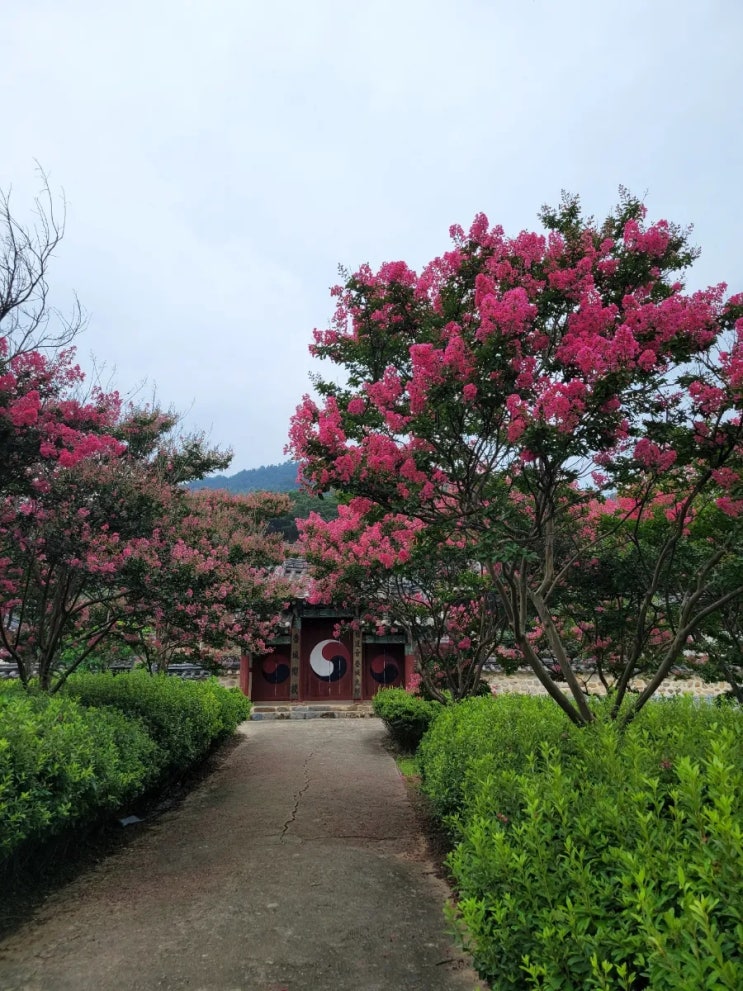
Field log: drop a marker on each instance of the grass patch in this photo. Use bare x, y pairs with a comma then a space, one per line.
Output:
407, 766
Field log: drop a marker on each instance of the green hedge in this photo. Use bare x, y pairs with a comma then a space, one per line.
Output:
68, 759
406, 716
595, 859
481, 736
185, 718
61, 764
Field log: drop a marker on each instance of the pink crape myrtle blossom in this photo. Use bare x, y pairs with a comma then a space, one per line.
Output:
379, 567
42, 418
214, 584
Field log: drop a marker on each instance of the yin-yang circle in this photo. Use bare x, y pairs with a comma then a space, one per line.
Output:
329, 660
275, 670
384, 669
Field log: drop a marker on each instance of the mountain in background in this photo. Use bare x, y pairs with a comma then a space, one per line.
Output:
276, 478
267, 478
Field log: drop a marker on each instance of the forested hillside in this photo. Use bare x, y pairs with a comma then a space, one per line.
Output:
267, 478
302, 505
276, 478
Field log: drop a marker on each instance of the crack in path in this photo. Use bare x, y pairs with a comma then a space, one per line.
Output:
364, 837
298, 797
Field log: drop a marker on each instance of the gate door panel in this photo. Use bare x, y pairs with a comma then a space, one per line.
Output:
327, 664
270, 681
384, 667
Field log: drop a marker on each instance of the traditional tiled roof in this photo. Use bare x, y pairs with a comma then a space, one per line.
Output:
297, 571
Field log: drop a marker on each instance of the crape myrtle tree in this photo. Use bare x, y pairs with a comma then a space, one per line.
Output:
70, 547
395, 574
532, 397
717, 651
599, 606
43, 419
209, 579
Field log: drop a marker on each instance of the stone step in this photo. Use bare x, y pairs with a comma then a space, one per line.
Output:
298, 710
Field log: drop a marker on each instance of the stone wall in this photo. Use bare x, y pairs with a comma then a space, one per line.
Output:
527, 684
522, 683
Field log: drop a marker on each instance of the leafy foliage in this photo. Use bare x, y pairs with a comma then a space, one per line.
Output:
594, 858
184, 718
67, 759
477, 735
62, 764
406, 716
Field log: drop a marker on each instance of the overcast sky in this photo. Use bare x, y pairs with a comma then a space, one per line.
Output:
221, 158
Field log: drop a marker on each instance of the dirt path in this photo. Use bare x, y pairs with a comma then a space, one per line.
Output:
296, 866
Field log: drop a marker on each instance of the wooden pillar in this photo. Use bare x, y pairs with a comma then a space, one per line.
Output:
409, 666
245, 665
294, 677
357, 647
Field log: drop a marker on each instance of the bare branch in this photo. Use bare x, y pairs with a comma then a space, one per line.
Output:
27, 320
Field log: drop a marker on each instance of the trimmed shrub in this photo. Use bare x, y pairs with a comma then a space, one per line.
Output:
602, 860
481, 736
61, 764
185, 718
68, 759
406, 716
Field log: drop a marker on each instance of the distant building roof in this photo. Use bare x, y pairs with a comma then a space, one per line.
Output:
297, 571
